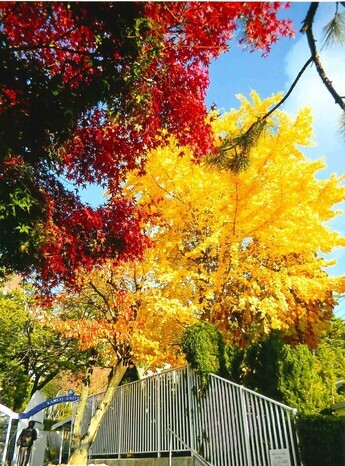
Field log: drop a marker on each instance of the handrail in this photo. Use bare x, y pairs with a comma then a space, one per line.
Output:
194, 452
258, 395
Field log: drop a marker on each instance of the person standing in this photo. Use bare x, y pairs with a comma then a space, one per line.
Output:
25, 441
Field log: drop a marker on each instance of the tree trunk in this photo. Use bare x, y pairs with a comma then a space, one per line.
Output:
80, 413
79, 457
82, 443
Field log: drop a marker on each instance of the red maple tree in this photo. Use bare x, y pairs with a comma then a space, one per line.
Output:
86, 89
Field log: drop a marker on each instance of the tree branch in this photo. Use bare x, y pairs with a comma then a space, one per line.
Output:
286, 96
308, 30
293, 85
100, 294
54, 47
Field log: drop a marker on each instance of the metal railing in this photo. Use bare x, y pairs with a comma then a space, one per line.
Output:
6, 420
226, 424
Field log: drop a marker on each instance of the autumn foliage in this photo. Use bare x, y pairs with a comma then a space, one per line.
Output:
242, 250
113, 94
86, 88
225, 247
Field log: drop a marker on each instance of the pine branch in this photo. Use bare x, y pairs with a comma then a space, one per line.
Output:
342, 125
293, 85
233, 154
334, 31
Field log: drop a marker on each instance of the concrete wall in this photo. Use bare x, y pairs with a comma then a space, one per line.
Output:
175, 461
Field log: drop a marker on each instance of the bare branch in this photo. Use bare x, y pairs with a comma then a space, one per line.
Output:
293, 85
308, 30
100, 294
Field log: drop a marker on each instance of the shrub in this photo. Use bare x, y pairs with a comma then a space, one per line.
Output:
321, 439
204, 348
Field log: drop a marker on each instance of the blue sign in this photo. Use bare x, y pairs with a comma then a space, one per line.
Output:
46, 404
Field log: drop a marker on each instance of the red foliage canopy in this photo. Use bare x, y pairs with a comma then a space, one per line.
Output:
86, 88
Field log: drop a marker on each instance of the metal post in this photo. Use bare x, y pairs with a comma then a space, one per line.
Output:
61, 446
170, 447
245, 426
120, 423
291, 436
7, 440
158, 417
190, 409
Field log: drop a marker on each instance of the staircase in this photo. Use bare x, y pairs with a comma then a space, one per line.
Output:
170, 414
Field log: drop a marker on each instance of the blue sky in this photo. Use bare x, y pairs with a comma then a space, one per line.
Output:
238, 72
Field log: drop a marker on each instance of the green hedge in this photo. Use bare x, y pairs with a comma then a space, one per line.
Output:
321, 440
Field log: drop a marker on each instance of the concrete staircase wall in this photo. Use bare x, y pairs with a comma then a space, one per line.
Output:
175, 461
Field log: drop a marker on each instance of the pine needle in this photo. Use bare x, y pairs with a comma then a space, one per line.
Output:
234, 152
334, 31
342, 125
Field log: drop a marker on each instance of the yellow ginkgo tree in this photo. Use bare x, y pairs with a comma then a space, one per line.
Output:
244, 249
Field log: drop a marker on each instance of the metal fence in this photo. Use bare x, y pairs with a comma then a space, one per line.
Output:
226, 424
8, 427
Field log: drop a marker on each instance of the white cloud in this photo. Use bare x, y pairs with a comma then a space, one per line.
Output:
312, 92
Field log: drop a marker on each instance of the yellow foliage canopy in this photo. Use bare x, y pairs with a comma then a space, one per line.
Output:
243, 249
